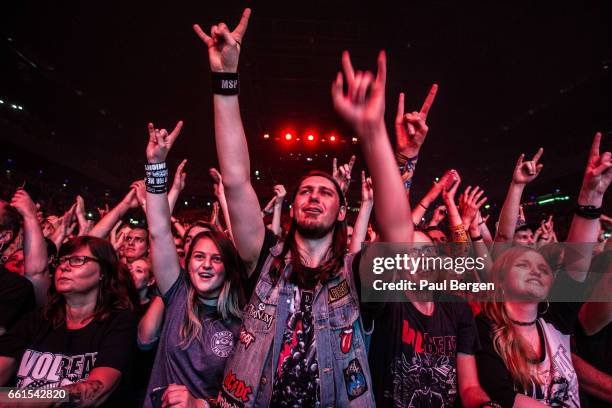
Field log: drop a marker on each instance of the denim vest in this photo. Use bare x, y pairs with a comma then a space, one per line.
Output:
344, 373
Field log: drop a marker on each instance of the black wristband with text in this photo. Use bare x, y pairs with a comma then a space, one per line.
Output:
225, 83
156, 178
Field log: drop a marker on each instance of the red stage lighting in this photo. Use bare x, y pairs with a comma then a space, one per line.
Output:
288, 136
332, 138
310, 138
266, 136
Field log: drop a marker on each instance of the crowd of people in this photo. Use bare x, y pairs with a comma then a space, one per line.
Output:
245, 310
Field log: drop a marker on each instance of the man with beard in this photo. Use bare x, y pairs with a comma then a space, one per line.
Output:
302, 342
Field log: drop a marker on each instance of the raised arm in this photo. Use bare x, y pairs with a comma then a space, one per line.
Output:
342, 174
419, 210
64, 227
245, 213
178, 185
360, 230
220, 194
455, 223
178, 227
470, 203
106, 224
484, 230
438, 215
585, 224
165, 261
524, 172
84, 226
280, 193
150, 324
34, 246
364, 109
410, 132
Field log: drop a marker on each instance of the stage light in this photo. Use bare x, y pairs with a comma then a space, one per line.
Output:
13, 106
487, 206
257, 172
354, 140
332, 138
19, 107
288, 136
186, 202
310, 138
266, 136
1, 101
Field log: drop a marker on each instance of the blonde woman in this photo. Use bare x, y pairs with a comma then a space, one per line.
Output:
202, 303
525, 360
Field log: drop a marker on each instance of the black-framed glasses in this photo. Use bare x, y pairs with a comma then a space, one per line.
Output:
76, 260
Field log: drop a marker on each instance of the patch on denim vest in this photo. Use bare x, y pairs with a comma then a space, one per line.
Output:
246, 337
338, 292
237, 389
346, 339
355, 380
259, 314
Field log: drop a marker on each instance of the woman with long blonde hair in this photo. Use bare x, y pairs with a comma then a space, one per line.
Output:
202, 303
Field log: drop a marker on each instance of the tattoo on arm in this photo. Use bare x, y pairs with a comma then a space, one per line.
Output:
83, 393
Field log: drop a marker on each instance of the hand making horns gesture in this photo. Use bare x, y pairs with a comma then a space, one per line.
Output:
223, 45
411, 128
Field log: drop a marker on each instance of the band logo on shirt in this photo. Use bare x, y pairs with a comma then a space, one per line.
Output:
51, 370
222, 343
338, 292
424, 343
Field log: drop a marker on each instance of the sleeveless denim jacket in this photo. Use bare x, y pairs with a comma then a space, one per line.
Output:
344, 373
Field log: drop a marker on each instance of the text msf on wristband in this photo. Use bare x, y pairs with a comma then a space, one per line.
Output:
225, 83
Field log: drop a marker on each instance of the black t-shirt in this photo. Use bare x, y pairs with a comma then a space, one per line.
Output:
16, 298
597, 351
559, 385
297, 371
52, 358
293, 384
413, 357
143, 362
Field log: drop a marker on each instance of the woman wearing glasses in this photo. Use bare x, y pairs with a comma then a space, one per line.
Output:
82, 338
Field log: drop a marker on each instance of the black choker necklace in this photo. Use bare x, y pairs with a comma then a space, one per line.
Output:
523, 323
